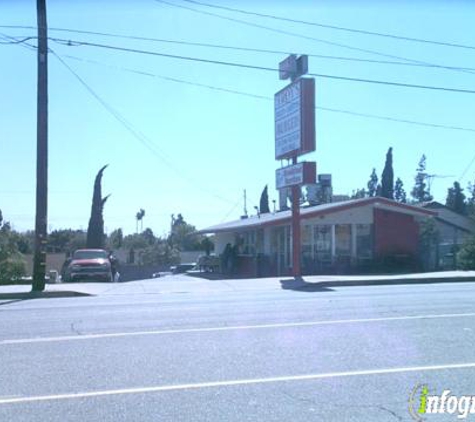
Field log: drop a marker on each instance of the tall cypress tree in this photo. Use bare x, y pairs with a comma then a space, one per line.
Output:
264, 202
387, 178
95, 230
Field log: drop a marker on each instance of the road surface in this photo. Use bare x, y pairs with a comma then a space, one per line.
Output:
270, 354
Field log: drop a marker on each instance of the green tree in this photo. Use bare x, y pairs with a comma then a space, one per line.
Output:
399, 192
387, 178
456, 199
466, 255
160, 253
25, 241
12, 263
264, 202
420, 192
95, 230
135, 241
372, 184
139, 217
149, 236
471, 199
184, 236
116, 239
359, 193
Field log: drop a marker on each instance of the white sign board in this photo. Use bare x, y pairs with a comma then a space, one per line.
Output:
295, 175
287, 120
294, 117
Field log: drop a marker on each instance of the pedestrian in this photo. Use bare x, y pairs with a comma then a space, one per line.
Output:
114, 266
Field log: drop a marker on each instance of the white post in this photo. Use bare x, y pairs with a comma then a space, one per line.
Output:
333, 242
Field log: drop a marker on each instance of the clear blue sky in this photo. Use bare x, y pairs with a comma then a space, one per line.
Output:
206, 146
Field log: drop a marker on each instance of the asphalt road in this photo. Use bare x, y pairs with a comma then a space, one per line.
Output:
339, 354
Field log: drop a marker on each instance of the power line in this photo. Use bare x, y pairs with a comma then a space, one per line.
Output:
16, 41
262, 97
249, 49
339, 28
467, 169
257, 96
20, 42
254, 67
293, 34
136, 134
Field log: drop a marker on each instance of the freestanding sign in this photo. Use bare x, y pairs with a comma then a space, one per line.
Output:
294, 121
294, 108
303, 173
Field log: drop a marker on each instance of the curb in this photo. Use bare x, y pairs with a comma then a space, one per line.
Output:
396, 281
41, 295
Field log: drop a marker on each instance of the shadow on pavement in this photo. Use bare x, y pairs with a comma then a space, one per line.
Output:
20, 296
300, 285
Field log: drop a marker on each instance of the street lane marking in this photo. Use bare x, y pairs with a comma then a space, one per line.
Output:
229, 328
231, 383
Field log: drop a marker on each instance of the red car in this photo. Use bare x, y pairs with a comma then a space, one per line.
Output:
89, 264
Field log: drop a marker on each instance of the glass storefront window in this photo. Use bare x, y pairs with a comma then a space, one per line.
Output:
364, 241
343, 240
323, 242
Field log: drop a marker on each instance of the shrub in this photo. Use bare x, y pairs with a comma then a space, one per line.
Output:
466, 255
12, 269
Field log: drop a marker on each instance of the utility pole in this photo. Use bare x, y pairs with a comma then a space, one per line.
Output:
39, 267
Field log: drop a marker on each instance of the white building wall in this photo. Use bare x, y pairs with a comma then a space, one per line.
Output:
361, 215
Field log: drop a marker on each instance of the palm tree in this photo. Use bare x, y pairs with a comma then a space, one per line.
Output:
139, 217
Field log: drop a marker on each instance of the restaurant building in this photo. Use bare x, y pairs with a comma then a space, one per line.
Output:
342, 237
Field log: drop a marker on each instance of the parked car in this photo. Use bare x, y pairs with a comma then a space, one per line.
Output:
88, 264
182, 268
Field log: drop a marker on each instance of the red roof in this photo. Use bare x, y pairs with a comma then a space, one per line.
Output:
282, 217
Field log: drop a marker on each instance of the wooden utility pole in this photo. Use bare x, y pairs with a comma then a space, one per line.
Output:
39, 267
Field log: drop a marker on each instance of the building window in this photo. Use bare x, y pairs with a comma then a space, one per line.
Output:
343, 240
247, 243
307, 241
323, 242
364, 241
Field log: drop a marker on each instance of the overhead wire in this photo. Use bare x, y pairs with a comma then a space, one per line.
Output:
255, 67
267, 98
22, 42
335, 27
241, 48
302, 36
135, 133
257, 96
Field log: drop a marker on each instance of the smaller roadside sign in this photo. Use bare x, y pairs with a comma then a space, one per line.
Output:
303, 173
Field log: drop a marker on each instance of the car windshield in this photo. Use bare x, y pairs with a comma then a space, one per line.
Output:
89, 254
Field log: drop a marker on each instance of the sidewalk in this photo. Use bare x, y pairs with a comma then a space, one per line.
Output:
189, 284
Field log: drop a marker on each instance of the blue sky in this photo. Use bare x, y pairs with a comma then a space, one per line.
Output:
199, 147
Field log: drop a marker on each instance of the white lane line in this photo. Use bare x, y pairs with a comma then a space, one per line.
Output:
230, 328
231, 383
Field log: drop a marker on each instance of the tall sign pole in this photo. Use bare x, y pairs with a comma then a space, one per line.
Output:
294, 108
296, 242
39, 266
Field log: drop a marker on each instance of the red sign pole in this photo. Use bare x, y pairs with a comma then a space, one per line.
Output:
296, 246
